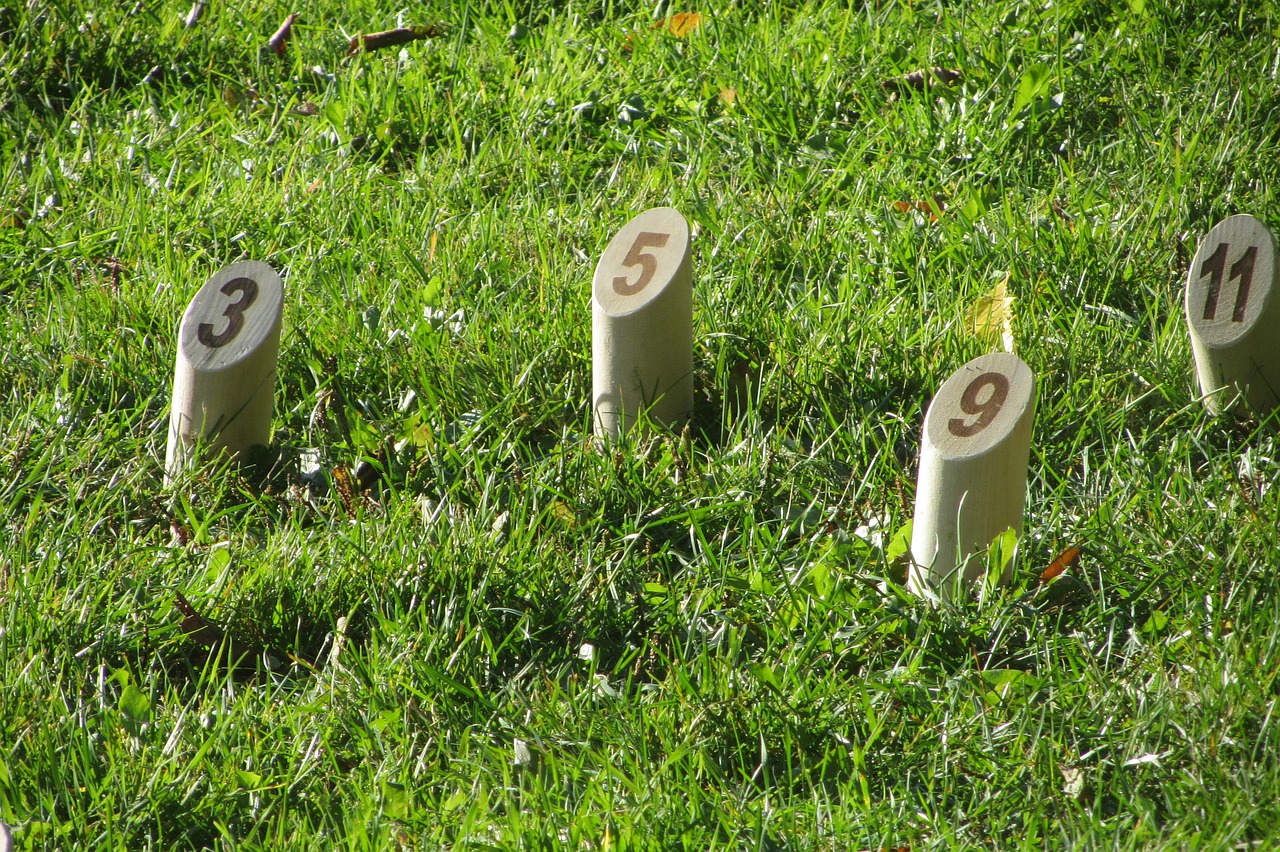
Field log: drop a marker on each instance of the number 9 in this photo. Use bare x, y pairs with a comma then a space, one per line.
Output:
986, 411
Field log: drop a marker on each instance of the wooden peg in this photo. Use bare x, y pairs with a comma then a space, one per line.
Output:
1234, 317
642, 325
972, 484
224, 381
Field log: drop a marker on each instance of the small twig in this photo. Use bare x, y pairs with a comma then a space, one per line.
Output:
278, 41
390, 38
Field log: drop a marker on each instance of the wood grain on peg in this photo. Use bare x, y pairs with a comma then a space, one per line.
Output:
224, 380
972, 484
642, 325
1233, 316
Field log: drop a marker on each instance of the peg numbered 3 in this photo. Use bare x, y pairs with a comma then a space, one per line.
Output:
224, 379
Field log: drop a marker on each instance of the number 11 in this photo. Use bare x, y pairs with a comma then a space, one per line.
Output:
1213, 266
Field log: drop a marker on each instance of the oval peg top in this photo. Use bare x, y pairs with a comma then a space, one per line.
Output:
641, 261
980, 405
231, 316
1230, 280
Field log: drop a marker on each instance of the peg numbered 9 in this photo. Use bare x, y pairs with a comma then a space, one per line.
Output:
1233, 317
972, 484
642, 324
224, 380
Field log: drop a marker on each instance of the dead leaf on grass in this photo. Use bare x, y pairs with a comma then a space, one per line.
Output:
991, 317
1066, 560
211, 637
235, 98
280, 39
679, 25
193, 17
918, 81
929, 208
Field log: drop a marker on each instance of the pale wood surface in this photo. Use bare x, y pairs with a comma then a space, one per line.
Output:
224, 378
1234, 317
642, 324
972, 483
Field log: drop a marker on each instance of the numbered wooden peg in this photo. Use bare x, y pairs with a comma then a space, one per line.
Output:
1234, 317
224, 382
642, 325
972, 484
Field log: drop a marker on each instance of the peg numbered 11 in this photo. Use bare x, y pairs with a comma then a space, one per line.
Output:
1233, 315
224, 381
642, 325
972, 484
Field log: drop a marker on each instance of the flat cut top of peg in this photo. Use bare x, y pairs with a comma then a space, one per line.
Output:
641, 260
1229, 282
979, 405
231, 316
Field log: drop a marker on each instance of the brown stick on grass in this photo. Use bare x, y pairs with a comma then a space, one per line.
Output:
281, 38
391, 38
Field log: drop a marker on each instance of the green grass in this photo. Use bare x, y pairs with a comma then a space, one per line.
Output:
757, 677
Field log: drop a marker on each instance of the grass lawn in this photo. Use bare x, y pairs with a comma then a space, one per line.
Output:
470, 626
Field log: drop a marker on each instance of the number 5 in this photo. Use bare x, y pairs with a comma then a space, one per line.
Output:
636, 256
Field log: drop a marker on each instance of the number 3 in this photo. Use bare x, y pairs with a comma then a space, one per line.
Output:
248, 290
648, 263
986, 411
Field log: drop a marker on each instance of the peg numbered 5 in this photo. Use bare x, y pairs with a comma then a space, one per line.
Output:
642, 325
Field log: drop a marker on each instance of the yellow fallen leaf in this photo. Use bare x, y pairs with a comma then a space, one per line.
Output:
681, 24
729, 95
991, 317
563, 513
